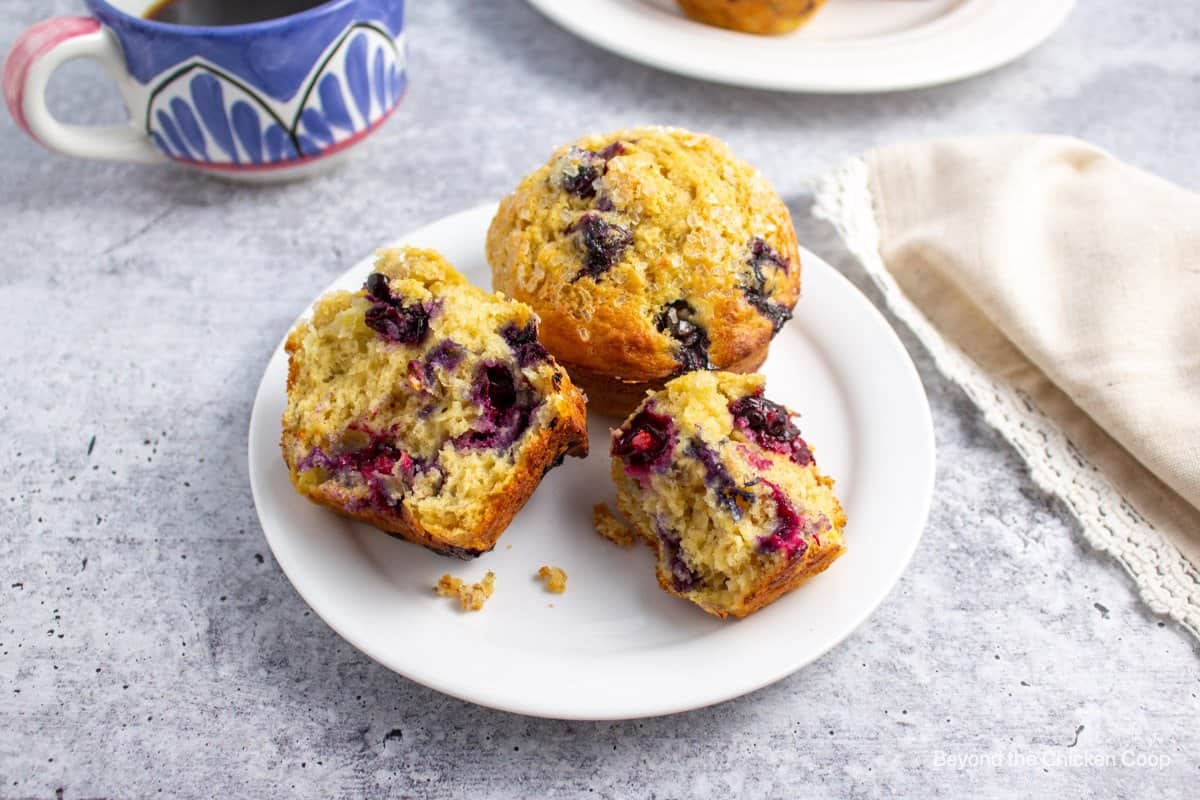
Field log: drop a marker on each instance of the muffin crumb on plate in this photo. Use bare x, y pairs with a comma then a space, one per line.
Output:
554, 578
471, 596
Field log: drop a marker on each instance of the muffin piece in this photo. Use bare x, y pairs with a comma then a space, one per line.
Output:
716, 478
425, 406
647, 253
471, 596
610, 527
553, 578
752, 16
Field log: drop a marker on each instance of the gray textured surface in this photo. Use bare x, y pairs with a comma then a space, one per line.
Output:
149, 645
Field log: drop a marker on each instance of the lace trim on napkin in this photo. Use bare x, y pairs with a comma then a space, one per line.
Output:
1167, 581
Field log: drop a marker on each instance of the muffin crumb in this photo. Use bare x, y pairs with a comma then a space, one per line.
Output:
555, 579
471, 596
448, 586
610, 527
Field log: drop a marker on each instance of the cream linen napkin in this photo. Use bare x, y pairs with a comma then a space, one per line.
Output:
1061, 289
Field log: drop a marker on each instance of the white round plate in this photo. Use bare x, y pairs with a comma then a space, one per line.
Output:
849, 46
615, 646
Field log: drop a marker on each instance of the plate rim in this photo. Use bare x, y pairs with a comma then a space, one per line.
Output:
530, 706
1051, 16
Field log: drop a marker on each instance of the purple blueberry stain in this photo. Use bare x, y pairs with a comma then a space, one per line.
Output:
758, 286
770, 426
422, 373
603, 244
776, 313
378, 464
788, 535
792, 531
762, 254
391, 318
616, 148
730, 496
678, 319
446, 354
754, 459
378, 456
645, 443
683, 577
506, 408
523, 341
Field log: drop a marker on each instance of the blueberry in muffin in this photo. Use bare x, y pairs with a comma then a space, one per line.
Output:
647, 253
425, 406
720, 483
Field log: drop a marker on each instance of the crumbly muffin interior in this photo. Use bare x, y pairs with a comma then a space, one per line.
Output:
419, 389
717, 479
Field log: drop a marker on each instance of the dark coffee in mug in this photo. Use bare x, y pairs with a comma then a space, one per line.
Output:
225, 12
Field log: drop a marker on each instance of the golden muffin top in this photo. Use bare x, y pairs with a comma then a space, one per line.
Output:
648, 252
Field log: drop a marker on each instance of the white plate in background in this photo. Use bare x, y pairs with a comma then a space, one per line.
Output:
616, 646
849, 46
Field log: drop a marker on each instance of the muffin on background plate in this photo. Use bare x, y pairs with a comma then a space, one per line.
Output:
425, 406
717, 479
753, 16
647, 253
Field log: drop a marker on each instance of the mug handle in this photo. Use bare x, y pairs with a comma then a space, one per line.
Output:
41, 50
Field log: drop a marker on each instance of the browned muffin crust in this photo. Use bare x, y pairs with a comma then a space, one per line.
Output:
764, 17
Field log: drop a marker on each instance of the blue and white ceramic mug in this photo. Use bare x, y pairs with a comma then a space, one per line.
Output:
265, 100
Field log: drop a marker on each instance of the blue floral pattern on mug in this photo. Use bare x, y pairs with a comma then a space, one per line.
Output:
203, 114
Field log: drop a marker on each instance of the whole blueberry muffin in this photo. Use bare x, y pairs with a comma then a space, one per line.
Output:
647, 253
717, 479
425, 406
753, 16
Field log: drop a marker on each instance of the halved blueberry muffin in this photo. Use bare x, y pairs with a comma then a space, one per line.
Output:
647, 253
717, 479
425, 406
